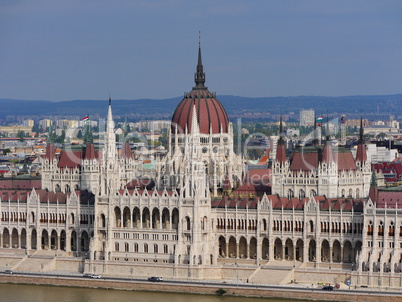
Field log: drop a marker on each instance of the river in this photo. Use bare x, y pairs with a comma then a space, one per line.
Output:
34, 293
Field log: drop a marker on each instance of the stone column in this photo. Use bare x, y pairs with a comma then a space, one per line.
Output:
330, 254
227, 250
237, 249
58, 243
68, 242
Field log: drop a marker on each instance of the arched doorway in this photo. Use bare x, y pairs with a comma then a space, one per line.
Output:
126, 218
63, 240
45, 240
312, 246
53, 240
155, 218
325, 251
6, 238
289, 250
243, 248
23, 239
145, 218
74, 241
299, 250
253, 248
175, 218
222, 246
336, 250
165, 219
278, 250
34, 237
347, 252
232, 247
265, 249
117, 217
136, 218
14, 239
84, 242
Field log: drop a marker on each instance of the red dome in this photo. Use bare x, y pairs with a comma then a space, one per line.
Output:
211, 115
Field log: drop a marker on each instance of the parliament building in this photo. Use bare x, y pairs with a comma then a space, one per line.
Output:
202, 212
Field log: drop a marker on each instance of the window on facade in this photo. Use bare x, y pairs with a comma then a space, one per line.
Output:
145, 248
116, 247
126, 247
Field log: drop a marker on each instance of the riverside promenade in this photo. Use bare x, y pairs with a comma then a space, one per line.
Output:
203, 288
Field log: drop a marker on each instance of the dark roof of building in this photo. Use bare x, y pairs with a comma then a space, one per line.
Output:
308, 158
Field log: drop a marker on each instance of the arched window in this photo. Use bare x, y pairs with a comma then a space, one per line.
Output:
136, 247
302, 194
145, 248
155, 248
126, 247
290, 194
165, 248
116, 247
188, 224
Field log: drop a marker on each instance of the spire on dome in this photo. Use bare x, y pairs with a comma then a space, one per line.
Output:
199, 77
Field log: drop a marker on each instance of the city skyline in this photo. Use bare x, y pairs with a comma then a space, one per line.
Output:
55, 50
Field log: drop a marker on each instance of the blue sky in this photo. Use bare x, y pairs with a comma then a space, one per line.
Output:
85, 49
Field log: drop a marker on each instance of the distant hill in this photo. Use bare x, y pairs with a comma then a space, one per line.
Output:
234, 105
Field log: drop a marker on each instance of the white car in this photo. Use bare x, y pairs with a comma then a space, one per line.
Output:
95, 276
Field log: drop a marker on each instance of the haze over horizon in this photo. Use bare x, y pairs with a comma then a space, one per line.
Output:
67, 50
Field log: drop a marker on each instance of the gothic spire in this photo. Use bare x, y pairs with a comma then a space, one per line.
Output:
361, 132
199, 77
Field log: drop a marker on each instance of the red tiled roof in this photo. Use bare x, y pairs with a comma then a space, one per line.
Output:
308, 159
210, 113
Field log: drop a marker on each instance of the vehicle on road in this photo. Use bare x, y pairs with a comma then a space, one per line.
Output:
8, 271
95, 276
87, 275
155, 279
328, 287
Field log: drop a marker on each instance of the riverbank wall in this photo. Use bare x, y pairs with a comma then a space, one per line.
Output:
201, 288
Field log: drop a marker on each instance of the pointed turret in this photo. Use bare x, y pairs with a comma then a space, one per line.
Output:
373, 194
126, 150
195, 129
280, 149
50, 151
315, 138
199, 77
110, 137
88, 137
327, 156
361, 154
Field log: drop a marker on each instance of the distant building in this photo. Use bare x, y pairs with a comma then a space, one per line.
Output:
307, 118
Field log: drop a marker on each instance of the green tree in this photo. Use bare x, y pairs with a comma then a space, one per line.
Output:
21, 135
